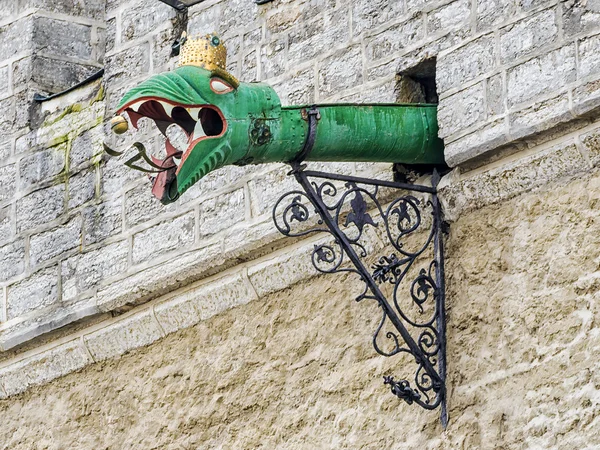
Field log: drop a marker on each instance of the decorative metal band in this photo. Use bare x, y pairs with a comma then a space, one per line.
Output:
313, 116
359, 214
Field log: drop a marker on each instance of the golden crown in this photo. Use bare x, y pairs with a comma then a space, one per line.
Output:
206, 51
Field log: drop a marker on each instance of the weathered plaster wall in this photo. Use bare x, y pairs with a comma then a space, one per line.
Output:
295, 369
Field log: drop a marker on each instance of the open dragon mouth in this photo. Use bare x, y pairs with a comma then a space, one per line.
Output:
198, 122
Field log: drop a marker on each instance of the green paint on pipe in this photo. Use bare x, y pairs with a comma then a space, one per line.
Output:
244, 123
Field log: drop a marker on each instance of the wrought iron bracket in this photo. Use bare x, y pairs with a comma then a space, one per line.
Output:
364, 216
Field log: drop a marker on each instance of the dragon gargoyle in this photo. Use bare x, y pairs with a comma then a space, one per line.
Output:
228, 122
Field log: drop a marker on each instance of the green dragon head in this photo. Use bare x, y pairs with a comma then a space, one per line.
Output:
211, 107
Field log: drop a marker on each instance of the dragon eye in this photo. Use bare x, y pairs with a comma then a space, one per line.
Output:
215, 40
220, 86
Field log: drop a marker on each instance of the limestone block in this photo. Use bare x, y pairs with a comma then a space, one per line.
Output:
12, 259
115, 176
249, 70
206, 20
56, 75
8, 182
266, 190
5, 150
494, 12
589, 60
61, 37
7, 119
43, 367
91, 9
37, 291
4, 84
84, 147
495, 95
221, 212
143, 17
465, 63
82, 188
159, 279
297, 89
461, 110
203, 302
21, 72
15, 37
541, 116
382, 93
510, 179
273, 59
454, 15
528, 35
367, 15
283, 270
125, 335
394, 39
541, 75
141, 205
83, 271
486, 138
308, 40
580, 17
41, 166
591, 140
6, 224
169, 236
127, 64
102, 221
40, 207
236, 15
47, 245
340, 71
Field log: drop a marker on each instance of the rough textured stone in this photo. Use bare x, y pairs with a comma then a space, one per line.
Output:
47, 245
41, 166
367, 15
455, 15
46, 366
169, 236
203, 302
37, 291
6, 225
462, 110
340, 71
84, 147
541, 75
60, 37
12, 259
141, 205
221, 212
56, 75
8, 181
493, 12
82, 188
465, 63
127, 64
589, 60
495, 95
40, 207
83, 271
125, 335
102, 221
142, 17
528, 35
541, 116
396, 38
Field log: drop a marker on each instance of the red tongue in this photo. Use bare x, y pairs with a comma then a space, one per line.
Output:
160, 186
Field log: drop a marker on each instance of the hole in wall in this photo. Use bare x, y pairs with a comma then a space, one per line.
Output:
417, 84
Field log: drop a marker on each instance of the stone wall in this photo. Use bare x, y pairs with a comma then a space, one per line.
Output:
93, 267
523, 341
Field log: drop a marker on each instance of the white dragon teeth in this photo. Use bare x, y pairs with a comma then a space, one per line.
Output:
168, 108
198, 131
136, 106
176, 161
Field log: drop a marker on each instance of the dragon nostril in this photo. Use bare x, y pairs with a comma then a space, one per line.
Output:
211, 121
183, 119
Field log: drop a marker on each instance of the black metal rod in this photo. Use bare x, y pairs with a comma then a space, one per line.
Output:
438, 248
360, 180
42, 98
421, 358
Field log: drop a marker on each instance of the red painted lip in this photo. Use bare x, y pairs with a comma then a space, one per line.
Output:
199, 122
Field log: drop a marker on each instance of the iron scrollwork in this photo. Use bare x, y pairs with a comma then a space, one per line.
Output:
360, 219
